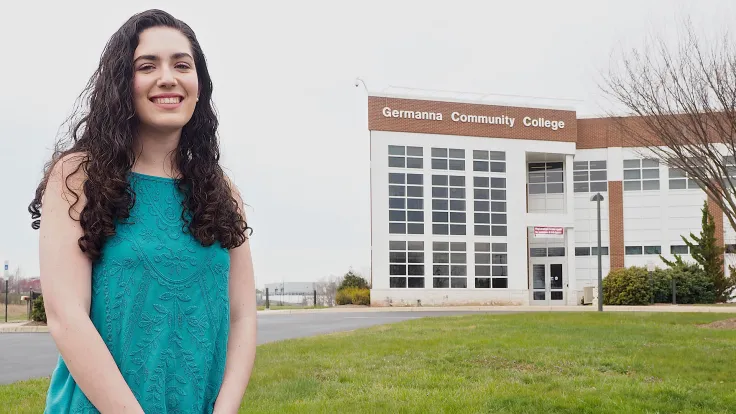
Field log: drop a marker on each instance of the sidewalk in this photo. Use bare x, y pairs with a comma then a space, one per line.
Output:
19, 326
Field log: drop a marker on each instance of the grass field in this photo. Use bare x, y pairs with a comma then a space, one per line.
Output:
519, 363
15, 313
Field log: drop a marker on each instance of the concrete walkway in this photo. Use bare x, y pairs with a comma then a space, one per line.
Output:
19, 326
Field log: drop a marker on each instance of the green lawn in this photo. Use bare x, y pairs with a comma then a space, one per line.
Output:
584, 362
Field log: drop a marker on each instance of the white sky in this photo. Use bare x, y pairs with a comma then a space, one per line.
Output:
293, 126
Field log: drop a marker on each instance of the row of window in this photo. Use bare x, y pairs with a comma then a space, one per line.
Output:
449, 265
451, 159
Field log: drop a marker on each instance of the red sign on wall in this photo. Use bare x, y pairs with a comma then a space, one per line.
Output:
549, 232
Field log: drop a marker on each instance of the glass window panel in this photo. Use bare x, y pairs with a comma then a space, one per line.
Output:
582, 251
440, 217
482, 218
580, 165
498, 207
481, 194
415, 203
500, 258
458, 270
632, 174
414, 191
482, 270
633, 250
649, 163
632, 163
397, 228
538, 252
482, 282
440, 229
677, 173
498, 218
415, 245
498, 155
441, 282
498, 167
556, 251
457, 153
397, 245
441, 270
537, 177
481, 206
457, 181
439, 180
652, 249
554, 177
439, 164
416, 270
598, 165
632, 185
459, 282
481, 182
599, 186
414, 163
650, 185
396, 215
439, 152
594, 251
499, 271
441, 257
482, 247
457, 192
397, 282
457, 218
554, 166
499, 247
457, 165
537, 188
439, 205
678, 184
396, 178
397, 257
482, 230
498, 194
482, 258
415, 216
498, 231
598, 176
457, 205
500, 283
395, 150
396, 162
457, 229
580, 176
580, 187
681, 249
396, 190
439, 192
417, 179
650, 173
458, 258
481, 166
397, 269
556, 188
480, 155
415, 151
416, 282
441, 246
498, 182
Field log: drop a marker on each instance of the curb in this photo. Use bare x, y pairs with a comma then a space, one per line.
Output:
19, 328
515, 309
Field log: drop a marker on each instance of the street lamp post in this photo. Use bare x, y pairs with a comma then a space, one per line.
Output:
598, 198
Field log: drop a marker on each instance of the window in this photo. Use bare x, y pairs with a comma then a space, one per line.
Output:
405, 157
680, 180
491, 266
594, 251
589, 176
448, 159
405, 203
582, 251
731, 248
546, 177
449, 265
547, 252
448, 204
406, 264
489, 161
679, 249
488, 191
641, 175
638, 250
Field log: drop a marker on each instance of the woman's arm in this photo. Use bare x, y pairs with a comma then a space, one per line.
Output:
241, 346
66, 283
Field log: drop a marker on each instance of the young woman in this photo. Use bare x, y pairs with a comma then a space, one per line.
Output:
145, 262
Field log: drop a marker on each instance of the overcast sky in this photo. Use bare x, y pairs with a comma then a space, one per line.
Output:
293, 126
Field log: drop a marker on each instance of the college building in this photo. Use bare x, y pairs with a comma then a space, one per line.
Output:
483, 204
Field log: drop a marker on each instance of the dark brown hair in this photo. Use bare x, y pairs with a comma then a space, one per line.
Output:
103, 136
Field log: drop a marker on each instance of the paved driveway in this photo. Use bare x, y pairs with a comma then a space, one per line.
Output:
32, 355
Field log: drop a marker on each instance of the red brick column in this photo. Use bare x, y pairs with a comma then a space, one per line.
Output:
715, 210
616, 224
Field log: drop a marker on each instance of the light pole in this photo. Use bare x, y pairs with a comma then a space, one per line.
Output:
598, 198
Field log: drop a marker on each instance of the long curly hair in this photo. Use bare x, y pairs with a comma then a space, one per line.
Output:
102, 135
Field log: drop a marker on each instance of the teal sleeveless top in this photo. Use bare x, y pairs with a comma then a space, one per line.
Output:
160, 303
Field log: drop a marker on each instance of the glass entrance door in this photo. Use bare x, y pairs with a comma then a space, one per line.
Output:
548, 283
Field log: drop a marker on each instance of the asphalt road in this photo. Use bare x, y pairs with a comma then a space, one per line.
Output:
33, 355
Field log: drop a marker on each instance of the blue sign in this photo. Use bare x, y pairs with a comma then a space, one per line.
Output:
6, 266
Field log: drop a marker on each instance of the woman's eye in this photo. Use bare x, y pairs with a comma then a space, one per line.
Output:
182, 66
145, 67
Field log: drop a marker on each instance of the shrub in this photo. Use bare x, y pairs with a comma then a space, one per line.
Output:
38, 313
629, 286
353, 296
692, 284
353, 280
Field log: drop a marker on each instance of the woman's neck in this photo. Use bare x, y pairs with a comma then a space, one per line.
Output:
155, 153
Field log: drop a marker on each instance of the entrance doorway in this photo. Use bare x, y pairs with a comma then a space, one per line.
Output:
547, 282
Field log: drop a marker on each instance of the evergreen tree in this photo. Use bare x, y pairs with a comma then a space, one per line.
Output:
709, 255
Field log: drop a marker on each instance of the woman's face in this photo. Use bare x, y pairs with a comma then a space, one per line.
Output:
165, 84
